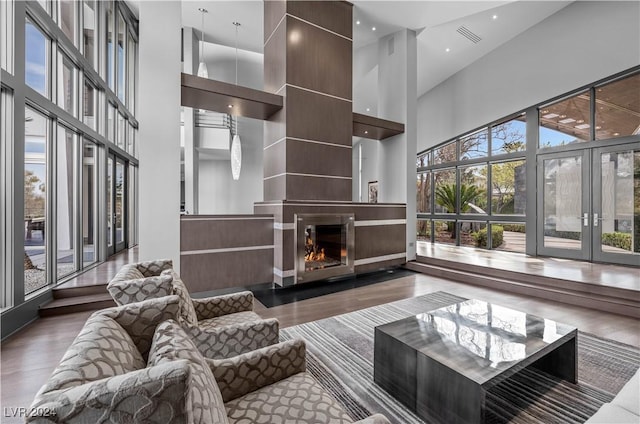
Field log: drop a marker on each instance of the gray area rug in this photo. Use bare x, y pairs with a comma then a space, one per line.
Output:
340, 357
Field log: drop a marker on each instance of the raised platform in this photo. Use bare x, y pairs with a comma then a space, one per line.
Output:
602, 287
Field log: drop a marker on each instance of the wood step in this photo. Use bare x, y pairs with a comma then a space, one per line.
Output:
66, 292
629, 305
69, 305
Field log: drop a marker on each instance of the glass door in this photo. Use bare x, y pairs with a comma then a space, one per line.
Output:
564, 225
116, 204
616, 204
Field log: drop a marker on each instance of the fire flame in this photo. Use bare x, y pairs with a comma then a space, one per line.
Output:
313, 252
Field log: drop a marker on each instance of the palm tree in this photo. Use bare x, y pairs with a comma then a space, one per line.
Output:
446, 196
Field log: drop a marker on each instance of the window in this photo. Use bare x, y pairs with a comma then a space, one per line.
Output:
423, 200
445, 154
111, 81
445, 191
474, 145
131, 140
509, 136
6, 35
473, 189
565, 122
37, 48
122, 132
66, 84
131, 77
122, 58
89, 105
6, 143
89, 203
67, 18
89, 22
618, 108
111, 122
508, 188
65, 201
35, 200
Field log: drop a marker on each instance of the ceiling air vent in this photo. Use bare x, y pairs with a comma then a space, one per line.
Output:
466, 33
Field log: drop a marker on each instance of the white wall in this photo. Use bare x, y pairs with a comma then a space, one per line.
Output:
369, 167
582, 43
218, 192
159, 136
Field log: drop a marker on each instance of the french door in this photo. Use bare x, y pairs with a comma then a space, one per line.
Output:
589, 204
116, 204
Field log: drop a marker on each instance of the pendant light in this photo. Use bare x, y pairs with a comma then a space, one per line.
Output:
236, 147
203, 72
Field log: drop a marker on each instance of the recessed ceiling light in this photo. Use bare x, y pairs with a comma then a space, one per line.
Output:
616, 134
495, 17
368, 109
598, 127
357, 22
447, 50
366, 132
229, 106
373, 29
580, 121
563, 116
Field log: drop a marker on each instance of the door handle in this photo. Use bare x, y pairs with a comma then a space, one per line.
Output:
585, 219
596, 219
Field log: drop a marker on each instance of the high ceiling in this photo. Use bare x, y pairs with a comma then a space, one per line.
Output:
435, 22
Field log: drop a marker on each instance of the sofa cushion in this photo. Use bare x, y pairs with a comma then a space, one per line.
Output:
629, 397
128, 272
128, 291
140, 319
231, 320
149, 395
610, 413
204, 401
152, 268
102, 349
298, 398
187, 311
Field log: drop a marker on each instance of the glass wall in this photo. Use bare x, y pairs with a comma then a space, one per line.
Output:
79, 65
482, 175
36, 222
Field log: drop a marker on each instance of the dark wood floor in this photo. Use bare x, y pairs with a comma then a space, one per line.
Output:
29, 356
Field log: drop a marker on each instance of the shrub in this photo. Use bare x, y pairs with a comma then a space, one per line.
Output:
480, 237
617, 239
514, 228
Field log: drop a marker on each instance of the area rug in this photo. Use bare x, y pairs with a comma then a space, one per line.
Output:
340, 357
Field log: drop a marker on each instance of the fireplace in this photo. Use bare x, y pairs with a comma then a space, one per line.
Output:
324, 246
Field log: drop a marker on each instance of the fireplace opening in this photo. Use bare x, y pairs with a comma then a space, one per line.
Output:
324, 246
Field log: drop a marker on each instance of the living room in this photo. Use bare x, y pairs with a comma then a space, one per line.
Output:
295, 174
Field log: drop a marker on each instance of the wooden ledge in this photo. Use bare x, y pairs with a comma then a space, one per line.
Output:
375, 128
208, 94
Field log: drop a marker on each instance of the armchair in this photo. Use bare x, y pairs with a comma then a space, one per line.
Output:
221, 326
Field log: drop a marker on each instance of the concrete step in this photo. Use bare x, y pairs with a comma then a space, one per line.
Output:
82, 303
565, 291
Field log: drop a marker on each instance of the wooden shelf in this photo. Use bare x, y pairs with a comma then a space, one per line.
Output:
375, 128
208, 94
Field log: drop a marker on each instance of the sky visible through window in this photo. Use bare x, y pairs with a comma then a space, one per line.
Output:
36, 59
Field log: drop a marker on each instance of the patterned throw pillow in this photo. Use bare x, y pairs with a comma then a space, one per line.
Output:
140, 319
188, 314
102, 349
204, 401
129, 291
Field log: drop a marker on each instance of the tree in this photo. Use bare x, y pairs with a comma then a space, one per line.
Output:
34, 201
446, 196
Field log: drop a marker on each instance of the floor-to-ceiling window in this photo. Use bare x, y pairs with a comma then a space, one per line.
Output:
67, 106
585, 156
472, 191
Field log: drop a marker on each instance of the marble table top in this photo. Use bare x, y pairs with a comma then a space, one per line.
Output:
478, 339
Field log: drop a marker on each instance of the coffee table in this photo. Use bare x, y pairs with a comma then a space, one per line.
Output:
441, 363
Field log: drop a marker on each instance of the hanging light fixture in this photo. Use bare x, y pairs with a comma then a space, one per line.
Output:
202, 67
236, 147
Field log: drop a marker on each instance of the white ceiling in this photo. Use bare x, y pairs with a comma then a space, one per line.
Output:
435, 22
